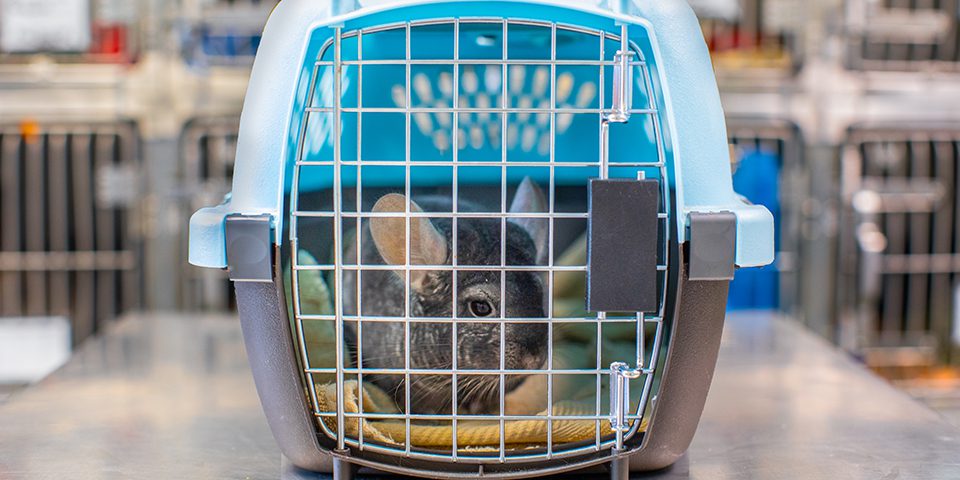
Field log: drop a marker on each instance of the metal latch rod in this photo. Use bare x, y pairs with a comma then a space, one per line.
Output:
620, 376
622, 81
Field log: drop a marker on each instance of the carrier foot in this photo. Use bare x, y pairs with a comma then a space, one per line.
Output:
620, 468
343, 470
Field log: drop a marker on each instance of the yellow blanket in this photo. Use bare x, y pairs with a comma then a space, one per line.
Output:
575, 395
471, 434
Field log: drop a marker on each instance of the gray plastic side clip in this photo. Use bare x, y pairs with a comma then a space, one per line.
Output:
249, 248
713, 245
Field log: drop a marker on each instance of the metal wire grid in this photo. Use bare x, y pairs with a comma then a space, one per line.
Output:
900, 256
208, 148
784, 140
66, 247
647, 369
904, 34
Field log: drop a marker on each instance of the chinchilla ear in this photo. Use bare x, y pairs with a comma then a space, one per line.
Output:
531, 199
427, 245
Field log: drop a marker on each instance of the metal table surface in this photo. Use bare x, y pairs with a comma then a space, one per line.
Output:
167, 396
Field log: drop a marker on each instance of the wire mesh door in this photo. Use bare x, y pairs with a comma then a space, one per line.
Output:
69, 244
440, 136
764, 149
899, 254
208, 149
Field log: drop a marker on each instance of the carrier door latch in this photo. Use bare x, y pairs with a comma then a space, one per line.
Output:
622, 82
620, 376
622, 88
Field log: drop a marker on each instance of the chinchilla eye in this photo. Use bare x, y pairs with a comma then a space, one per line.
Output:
480, 308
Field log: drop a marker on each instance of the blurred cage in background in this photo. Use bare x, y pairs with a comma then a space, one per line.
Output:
208, 148
903, 35
768, 170
68, 205
758, 35
78, 32
752, 38
224, 33
900, 244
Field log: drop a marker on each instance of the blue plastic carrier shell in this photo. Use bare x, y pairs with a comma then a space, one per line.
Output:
666, 31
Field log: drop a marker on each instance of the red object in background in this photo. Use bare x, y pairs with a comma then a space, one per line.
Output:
731, 37
110, 42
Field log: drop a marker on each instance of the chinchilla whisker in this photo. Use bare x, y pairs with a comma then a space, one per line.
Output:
491, 388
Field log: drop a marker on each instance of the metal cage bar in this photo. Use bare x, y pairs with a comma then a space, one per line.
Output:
69, 216
900, 200
900, 35
208, 148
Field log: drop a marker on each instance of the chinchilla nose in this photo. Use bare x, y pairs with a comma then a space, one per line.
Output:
529, 345
533, 361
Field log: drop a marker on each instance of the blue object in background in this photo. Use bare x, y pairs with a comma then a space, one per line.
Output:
758, 179
229, 43
206, 45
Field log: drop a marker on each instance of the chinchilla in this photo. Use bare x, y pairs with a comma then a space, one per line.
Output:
478, 294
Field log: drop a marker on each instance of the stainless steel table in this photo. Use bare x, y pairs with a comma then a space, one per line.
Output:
165, 396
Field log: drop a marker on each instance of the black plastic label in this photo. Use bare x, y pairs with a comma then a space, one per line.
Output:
623, 238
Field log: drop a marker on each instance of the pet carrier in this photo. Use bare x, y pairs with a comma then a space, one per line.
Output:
482, 238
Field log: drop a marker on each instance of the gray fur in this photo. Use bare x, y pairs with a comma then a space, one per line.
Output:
478, 344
